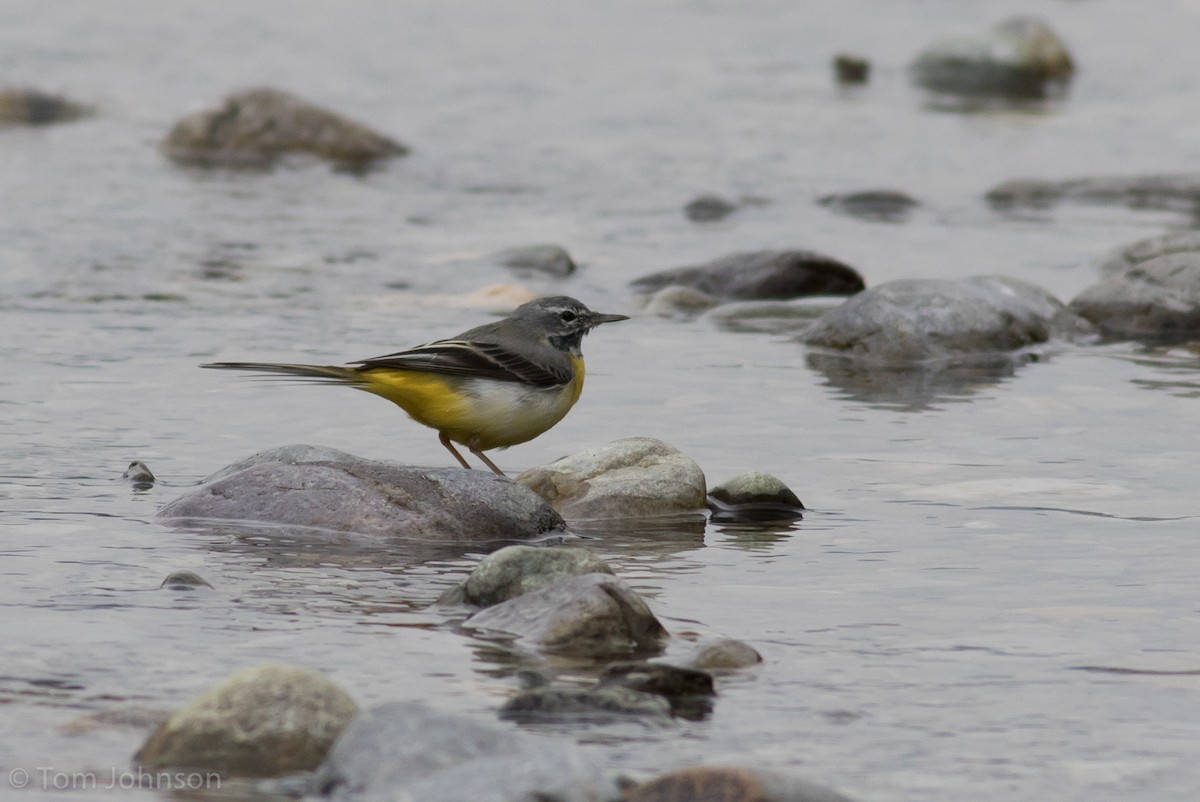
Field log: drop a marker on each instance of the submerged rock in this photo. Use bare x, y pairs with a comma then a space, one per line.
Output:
709, 208
876, 205
515, 570
265, 721
730, 784
761, 275
20, 106
637, 477
754, 496
254, 127
1020, 58
1159, 298
184, 580
689, 691
594, 615
1172, 193
582, 705
724, 654
677, 301
553, 260
1129, 256
320, 487
851, 70
407, 751
924, 320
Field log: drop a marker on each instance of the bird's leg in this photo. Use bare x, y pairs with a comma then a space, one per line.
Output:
445, 438
474, 446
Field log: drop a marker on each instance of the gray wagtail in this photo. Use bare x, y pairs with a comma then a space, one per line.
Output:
493, 386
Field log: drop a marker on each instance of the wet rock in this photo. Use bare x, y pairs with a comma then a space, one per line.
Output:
730, 784
771, 317
553, 260
1159, 298
264, 721
761, 275
1021, 58
1172, 193
637, 477
594, 615
254, 127
184, 580
709, 208
138, 475
407, 751
876, 205
924, 320
320, 487
724, 654
1134, 254
539, 705
677, 301
754, 496
515, 570
851, 70
33, 107
688, 691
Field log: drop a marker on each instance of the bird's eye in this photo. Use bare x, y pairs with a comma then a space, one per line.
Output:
566, 316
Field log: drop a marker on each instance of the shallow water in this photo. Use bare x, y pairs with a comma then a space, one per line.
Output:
993, 594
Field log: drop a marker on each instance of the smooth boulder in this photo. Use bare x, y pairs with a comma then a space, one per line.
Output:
265, 721
1159, 298
914, 321
408, 752
875, 205
593, 616
754, 496
761, 275
1020, 58
514, 570
1137, 253
636, 477
549, 259
254, 127
328, 489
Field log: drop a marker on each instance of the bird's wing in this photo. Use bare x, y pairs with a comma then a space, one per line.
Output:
476, 359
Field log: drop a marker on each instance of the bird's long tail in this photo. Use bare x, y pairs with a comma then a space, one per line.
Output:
316, 373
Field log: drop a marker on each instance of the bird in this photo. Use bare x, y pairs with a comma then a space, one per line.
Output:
492, 386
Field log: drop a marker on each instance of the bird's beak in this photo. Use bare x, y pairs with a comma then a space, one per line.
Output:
596, 318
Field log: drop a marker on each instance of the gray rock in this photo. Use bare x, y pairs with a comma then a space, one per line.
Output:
754, 496
34, 107
677, 301
637, 477
724, 654
850, 69
138, 475
876, 205
265, 721
254, 127
1020, 58
730, 784
1171, 193
770, 317
927, 320
594, 616
320, 487
515, 570
1134, 254
1160, 298
184, 580
761, 275
688, 690
709, 208
552, 260
406, 752
582, 705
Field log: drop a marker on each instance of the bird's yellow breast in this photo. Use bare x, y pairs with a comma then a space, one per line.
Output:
482, 412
